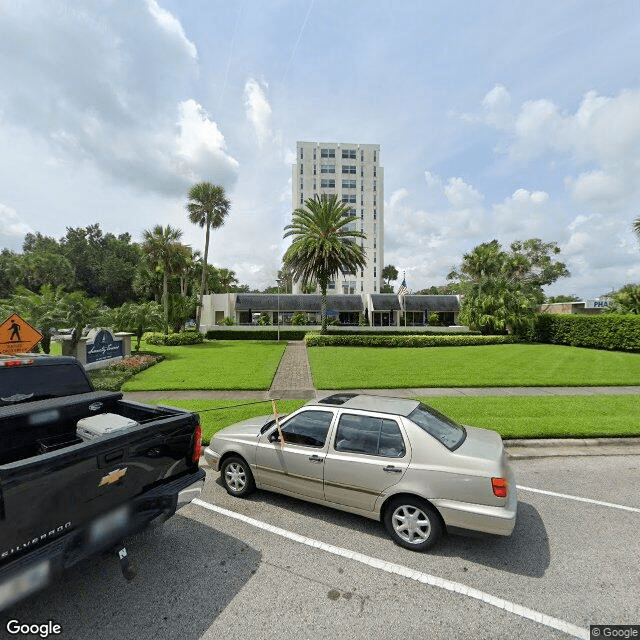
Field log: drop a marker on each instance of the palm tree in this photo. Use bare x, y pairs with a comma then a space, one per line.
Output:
139, 317
322, 244
208, 207
636, 227
162, 246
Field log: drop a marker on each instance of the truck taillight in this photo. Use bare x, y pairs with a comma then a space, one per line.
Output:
499, 486
197, 446
15, 363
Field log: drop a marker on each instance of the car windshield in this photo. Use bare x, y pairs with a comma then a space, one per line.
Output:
442, 428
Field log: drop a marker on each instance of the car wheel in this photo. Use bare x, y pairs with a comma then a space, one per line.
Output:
412, 523
237, 477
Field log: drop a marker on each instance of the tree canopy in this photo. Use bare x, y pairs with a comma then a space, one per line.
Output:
501, 288
208, 207
323, 244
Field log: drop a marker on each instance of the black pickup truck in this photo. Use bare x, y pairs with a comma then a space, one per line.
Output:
80, 470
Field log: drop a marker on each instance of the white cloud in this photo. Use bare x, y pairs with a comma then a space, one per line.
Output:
496, 105
110, 91
12, 226
522, 215
171, 25
603, 135
258, 110
200, 147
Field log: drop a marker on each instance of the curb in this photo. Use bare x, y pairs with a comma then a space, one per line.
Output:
572, 442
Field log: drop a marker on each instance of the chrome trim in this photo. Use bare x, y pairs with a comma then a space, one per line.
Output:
190, 493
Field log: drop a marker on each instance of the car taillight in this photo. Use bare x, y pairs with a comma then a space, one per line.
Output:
197, 446
499, 486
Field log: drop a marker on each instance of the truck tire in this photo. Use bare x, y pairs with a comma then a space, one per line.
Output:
236, 477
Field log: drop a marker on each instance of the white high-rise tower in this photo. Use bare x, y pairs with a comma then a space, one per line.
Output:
353, 173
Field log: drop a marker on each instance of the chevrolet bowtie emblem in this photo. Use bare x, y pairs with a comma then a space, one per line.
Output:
113, 477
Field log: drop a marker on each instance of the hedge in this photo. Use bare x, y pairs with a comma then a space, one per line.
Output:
460, 340
613, 332
265, 334
364, 331
173, 339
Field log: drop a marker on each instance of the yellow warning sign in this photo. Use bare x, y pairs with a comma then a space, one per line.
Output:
17, 336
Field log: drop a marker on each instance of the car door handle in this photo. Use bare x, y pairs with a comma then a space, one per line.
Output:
315, 458
391, 469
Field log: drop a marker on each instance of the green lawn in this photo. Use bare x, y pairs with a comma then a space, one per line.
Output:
546, 417
509, 365
219, 364
511, 417
215, 414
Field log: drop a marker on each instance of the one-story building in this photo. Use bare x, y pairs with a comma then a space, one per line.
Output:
382, 309
589, 307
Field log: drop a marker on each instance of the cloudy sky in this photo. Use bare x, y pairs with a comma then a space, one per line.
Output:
504, 120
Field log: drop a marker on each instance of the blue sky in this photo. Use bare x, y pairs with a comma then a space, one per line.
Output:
504, 120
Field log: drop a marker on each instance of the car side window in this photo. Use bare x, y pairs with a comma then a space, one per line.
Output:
369, 435
308, 428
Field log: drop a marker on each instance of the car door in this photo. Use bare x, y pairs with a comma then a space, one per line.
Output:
368, 455
297, 466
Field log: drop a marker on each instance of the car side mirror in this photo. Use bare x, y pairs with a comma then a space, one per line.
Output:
274, 437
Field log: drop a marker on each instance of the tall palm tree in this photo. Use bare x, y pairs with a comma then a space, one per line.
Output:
636, 227
322, 244
208, 207
162, 245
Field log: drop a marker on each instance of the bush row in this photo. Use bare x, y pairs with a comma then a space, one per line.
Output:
613, 332
432, 340
364, 331
173, 339
266, 334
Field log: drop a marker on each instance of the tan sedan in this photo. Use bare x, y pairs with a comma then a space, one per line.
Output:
390, 459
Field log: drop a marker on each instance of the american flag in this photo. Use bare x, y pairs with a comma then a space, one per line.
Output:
403, 288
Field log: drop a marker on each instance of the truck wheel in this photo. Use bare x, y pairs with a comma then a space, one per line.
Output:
412, 523
236, 477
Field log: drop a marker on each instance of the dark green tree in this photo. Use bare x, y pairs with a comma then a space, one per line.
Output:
163, 251
501, 289
323, 244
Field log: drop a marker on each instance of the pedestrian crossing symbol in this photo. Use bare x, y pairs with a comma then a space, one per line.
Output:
17, 336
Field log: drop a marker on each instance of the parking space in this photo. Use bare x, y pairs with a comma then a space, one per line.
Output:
272, 566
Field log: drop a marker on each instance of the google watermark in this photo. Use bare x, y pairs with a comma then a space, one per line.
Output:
625, 631
44, 629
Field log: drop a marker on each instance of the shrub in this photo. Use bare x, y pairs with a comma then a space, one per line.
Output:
174, 339
112, 378
298, 318
266, 334
411, 340
612, 332
228, 321
265, 319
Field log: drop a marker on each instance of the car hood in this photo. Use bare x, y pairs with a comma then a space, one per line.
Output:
483, 444
249, 427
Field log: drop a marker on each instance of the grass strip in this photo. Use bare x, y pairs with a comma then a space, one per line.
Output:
509, 365
227, 412
602, 416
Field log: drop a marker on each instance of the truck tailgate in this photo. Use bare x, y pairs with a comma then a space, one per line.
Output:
51, 494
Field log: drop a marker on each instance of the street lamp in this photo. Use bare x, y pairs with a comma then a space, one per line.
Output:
278, 319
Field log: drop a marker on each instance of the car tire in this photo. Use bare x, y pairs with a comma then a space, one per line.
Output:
412, 523
236, 477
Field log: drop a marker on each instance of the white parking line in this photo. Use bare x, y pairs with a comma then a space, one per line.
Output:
578, 499
425, 578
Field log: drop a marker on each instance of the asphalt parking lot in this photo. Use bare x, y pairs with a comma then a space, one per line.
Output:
275, 567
